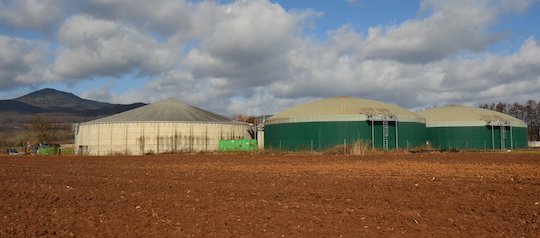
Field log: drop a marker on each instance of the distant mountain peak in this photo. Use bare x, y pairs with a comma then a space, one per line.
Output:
51, 98
61, 106
44, 92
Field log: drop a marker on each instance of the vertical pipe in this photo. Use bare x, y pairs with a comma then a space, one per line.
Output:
280, 147
397, 137
311, 147
319, 138
126, 138
110, 145
502, 135
344, 146
372, 133
99, 139
511, 139
492, 138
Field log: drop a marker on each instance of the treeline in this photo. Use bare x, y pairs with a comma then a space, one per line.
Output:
529, 113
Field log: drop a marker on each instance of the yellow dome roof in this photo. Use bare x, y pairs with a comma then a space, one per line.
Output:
466, 116
342, 109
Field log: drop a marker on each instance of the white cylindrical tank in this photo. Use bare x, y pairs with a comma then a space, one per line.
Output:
168, 126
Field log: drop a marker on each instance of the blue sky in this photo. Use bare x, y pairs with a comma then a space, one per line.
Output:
263, 56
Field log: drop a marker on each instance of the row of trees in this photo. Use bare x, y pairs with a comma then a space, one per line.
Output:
40, 128
529, 113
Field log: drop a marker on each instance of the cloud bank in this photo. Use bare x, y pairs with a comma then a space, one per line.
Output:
255, 57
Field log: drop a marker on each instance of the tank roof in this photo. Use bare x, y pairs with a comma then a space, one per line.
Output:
342, 109
168, 110
466, 116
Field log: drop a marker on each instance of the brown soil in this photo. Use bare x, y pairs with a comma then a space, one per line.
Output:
242, 195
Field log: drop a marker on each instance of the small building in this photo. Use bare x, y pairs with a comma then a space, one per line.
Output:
463, 128
167, 126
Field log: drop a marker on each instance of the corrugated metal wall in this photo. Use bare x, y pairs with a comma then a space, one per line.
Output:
479, 137
137, 138
324, 135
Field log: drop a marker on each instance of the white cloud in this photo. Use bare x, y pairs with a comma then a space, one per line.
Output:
85, 31
20, 61
249, 44
36, 14
95, 47
167, 18
102, 93
449, 28
488, 79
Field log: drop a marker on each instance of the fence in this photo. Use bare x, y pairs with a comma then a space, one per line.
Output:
11, 150
319, 145
327, 144
42, 151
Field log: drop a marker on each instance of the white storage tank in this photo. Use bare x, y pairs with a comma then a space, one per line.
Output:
167, 126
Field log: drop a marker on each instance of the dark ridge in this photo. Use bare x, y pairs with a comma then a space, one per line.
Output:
13, 106
59, 101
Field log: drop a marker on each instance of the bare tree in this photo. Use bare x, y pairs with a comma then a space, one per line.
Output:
529, 113
248, 119
501, 107
484, 106
517, 110
42, 128
532, 110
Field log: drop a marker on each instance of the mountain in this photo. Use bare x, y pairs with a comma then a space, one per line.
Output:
59, 101
13, 106
56, 102
61, 107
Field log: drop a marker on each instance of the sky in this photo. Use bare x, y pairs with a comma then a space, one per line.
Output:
255, 57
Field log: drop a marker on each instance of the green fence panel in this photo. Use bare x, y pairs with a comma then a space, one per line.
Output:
238, 145
48, 151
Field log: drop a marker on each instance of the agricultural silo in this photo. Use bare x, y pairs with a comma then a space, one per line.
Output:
335, 121
166, 126
462, 127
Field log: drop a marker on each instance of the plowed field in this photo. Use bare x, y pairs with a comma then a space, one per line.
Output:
243, 195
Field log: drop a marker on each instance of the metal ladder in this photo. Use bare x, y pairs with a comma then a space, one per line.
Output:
385, 132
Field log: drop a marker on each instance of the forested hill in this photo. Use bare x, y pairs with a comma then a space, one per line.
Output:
57, 100
53, 101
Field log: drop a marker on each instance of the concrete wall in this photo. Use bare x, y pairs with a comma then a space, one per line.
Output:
535, 144
138, 138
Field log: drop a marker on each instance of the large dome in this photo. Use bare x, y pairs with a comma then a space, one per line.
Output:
170, 110
328, 122
466, 128
342, 109
466, 116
